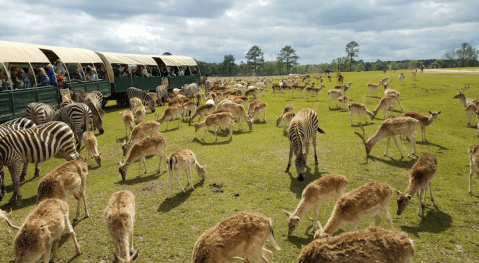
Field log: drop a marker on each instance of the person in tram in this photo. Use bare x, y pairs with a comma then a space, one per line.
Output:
93, 75
25, 80
43, 79
76, 76
51, 75
59, 77
187, 71
181, 73
144, 71
117, 71
59, 65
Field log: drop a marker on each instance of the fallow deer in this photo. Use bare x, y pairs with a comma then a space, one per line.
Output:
422, 173
473, 153
313, 91
373, 87
287, 108
466, 102
423, 120
171, 113
202, 110
183, 161
91, 147
223, 118
128, 120
359, 109
390, 128
140, 114
139, 132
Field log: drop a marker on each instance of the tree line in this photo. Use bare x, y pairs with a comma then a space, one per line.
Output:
286, 62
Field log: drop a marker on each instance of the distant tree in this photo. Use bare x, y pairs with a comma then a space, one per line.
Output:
228, 64
467, 55
352, 48
359, 67
437, 64
288, 56
450, 57
413, 63
255, 57
167, 54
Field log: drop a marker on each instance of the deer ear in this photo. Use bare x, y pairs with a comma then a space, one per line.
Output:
430, 112
398, 193
409, 197
438, 112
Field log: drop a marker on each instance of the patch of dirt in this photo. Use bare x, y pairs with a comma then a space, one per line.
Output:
442, 70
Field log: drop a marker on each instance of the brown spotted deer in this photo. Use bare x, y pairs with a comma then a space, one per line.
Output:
344, 101
140, 114
183, 161
422, 173
423, 120
120, 221
135, 103
402, 79
388, 91
373, 87
222, 118
146, 128
367, 201
473, 153
154, 145
238, 235
42, 230
475, 111
239, 112
466, 102
67, 179
312, 91
287, 108
387, 104
203, 110
286, 120
256, 112
359, 109
333, 94
190, 108
413, 75
328, 187
251, 106
373, 244
91, 147
129, 121
171, 113
391, 128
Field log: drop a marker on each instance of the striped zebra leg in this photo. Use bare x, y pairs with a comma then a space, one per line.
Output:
15, 171
290, 156
2, 186
314, 147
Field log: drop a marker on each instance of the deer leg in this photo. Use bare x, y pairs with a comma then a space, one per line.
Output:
387, 147
351, 118
468, 117
430, 191
77, 196
190, 177
470, 174
266, 255
388, 216
316, 223
397, 144
421, 205
169, 186
178, 179
206, 130
377, 220
48, 251
216, 136
423, 133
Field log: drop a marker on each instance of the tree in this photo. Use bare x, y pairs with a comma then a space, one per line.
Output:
255, 58
466, 55
450, 57
288, 56
413, 63
351, 50
228, 64
167, 54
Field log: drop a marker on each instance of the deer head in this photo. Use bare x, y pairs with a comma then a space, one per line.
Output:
293, 222
123, 169
460, 92
403, 201
367, 144
125, 145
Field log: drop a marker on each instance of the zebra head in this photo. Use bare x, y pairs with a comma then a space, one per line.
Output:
300, 163
151, 105
98, 124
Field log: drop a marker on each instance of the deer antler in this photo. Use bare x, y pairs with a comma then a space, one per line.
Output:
465, 88
116, 137
363, 135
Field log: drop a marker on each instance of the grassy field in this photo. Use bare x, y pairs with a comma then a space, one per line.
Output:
252, 166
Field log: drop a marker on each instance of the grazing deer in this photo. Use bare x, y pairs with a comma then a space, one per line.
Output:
251, 106
422, 173
238, 110
256, 113
120, 220
423, 120
373, 244
154, 145
373, 87
466, 102
139, 132
390, 128
43, 229
181, 161
171, 113
328, 187
140, 113
286, 119
135, 103
240, 234
359, 108
344, 101
91, 147
128, 120
413, 75
388, 91
387, 104
367, 201
473, 153
67, 179
333, 94
190, 108
222, 118
202, 110
402, 79
287, 108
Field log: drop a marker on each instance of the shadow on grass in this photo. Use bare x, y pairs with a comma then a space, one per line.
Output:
336, 109
178, 199
25, 203
433, 144
202, 142
366, 124
141, 179
300, 242
297, 187
435, 221
403, 163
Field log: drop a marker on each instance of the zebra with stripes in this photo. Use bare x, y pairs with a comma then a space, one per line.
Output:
40, 113
96, 115
8, 127
133, 92
35, 145
76, 115
302, 128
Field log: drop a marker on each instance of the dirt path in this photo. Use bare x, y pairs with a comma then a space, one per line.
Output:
441, 70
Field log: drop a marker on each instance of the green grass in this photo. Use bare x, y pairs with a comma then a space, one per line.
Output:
253, 165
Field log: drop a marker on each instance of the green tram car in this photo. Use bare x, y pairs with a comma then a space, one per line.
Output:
30, 58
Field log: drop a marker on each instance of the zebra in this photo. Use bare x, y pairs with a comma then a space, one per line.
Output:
6, 128
141, 94
162, 92
35, 145
98, 96
96, 115
76, 115
303, 127
40, 113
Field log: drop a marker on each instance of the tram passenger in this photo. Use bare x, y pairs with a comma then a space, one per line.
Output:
3, 79
144, 71
43, 79
117, 70
76, 76
134, 73
59, 77
187, 71
25, 80
93, 74
59, 65
51, 75
181, 73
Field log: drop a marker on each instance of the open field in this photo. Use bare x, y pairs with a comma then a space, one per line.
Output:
253, 165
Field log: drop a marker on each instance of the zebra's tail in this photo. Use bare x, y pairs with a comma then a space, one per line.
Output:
320, 130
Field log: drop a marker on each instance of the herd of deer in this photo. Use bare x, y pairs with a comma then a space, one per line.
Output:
242, 236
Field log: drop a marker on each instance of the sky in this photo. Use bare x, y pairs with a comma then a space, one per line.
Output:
208, 30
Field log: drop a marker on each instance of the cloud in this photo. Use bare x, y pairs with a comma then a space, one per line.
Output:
209, 30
